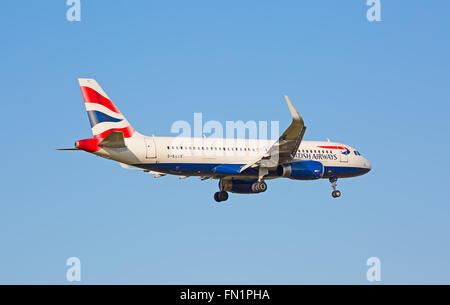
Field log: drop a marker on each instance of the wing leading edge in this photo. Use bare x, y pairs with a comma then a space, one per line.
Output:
284, 149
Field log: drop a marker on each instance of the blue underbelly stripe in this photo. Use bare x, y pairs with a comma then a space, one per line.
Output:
208, 169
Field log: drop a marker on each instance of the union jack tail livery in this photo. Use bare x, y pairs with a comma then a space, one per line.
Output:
103, 114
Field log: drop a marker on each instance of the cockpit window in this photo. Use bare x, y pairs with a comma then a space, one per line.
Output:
357, 153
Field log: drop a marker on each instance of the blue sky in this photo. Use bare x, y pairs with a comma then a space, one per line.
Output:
380, 87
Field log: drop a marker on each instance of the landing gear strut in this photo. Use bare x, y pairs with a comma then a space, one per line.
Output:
335, 193
222, 195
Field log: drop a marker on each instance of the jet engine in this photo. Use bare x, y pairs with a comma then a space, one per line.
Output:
242, 186
301, 170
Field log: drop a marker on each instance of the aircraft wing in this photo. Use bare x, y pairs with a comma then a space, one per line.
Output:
284, 149
157, 174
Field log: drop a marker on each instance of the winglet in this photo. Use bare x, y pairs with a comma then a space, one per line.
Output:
294, 112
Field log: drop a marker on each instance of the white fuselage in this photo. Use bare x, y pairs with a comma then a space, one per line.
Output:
196, 156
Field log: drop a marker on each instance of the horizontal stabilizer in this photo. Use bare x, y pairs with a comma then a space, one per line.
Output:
158, 175
114, 140
126, 166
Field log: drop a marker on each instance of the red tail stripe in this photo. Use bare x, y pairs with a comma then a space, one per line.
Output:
92, 96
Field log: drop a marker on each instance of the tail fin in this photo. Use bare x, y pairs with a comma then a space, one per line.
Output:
103, 114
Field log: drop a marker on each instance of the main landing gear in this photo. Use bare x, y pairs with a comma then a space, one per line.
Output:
220, 196
259, 187
335, 193
236, 186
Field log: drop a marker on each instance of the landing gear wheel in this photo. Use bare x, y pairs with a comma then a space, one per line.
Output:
336, 194
223, 196
216, 196
259, 187
262, 186
220, 196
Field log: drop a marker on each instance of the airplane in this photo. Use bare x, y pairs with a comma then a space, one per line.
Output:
241, 165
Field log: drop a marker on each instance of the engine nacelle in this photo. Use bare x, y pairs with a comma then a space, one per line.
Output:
301, 170
237, 186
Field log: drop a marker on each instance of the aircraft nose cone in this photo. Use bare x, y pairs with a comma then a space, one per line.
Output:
368, 165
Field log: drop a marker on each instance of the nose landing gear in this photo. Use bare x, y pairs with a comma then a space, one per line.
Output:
335, 193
